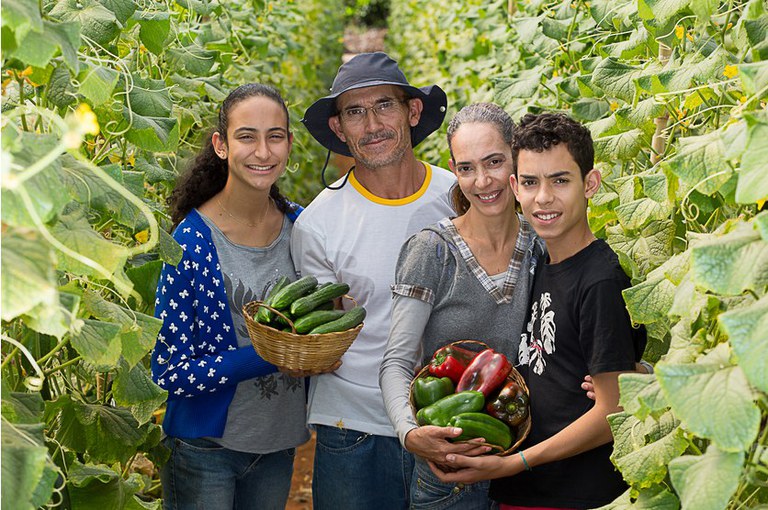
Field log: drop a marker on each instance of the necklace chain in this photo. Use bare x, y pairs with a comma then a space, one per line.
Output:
243, 222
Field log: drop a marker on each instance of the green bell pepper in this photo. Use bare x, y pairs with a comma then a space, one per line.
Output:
441, 411
428, 390
474, 425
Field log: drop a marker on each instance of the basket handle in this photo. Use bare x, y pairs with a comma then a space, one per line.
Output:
277, 312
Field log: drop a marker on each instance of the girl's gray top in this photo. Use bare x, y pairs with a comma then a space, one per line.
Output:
441, 294
268, 413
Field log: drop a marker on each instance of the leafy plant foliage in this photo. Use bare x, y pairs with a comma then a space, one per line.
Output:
674, 93
103, 101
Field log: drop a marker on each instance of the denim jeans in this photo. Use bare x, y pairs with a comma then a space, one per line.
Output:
201, 474
354, 470
429, 493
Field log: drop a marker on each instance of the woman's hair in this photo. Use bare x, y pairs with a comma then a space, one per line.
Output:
207, 173
477, 113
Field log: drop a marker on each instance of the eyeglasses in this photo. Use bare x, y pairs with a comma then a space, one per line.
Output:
385, 109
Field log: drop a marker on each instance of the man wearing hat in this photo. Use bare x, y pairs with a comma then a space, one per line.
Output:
352, 233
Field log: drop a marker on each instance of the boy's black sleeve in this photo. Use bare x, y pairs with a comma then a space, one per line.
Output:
608, 340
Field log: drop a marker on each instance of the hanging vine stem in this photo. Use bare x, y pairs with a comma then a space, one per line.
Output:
121, 287
32, 384
691, 208
659, 140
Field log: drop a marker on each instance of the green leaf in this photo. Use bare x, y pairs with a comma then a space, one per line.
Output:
754, 77
97, 84
753, 185
153, 173
169, 249
194, 59
641, 395
28, 474
98, 343
155, 28
661, 10
28, 275
109, 434
76, 233
122, 9
22, 17
617, 79
732, 263
134, 388
60, 90
700, 162
24, 408
524, 84
642, 450
37, 49
648, 247
94, 487
706, 482
138, 331
713, 401
746, 329
87, 188
55, 320
144, 278
761, 224
555, 29
622, 146
44, 188
650, 300
654, 498
158, 134
150, 98
637, 213
589, 109
96, 21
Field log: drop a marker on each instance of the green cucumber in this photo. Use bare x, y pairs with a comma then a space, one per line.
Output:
293, 291
310, 321
309, 302
348, 321
328, 305
263, 315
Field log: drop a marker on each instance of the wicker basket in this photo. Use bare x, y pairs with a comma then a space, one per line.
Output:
294, 351
520, 432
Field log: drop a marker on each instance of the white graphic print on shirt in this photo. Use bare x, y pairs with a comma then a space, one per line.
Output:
533, 349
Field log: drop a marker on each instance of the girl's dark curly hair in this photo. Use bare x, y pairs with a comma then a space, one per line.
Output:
539, 133
207, 174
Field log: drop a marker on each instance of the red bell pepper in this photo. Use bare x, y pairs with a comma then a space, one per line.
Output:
451, 361
486, 373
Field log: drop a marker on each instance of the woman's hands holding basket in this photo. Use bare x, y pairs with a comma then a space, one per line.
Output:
433, 443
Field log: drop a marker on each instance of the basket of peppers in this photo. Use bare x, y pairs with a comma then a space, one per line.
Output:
477, 390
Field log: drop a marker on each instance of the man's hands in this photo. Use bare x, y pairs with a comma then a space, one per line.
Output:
308, 373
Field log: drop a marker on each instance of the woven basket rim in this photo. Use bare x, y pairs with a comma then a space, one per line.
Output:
522, 430
297, 351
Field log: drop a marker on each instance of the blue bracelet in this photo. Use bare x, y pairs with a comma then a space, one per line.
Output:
527, 467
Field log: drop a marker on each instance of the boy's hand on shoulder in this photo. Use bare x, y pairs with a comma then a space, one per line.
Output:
642, 367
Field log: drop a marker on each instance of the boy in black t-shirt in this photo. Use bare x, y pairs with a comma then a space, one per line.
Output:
577, 323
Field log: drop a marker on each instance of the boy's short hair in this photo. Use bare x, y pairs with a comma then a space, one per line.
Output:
541, 132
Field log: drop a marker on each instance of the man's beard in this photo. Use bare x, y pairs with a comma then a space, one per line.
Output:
383, 159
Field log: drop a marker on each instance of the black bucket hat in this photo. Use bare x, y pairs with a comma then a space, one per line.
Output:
370, 70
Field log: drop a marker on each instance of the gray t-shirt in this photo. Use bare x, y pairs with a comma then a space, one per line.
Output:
268, 413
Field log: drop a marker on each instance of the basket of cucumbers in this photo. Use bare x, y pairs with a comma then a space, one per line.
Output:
297, 326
